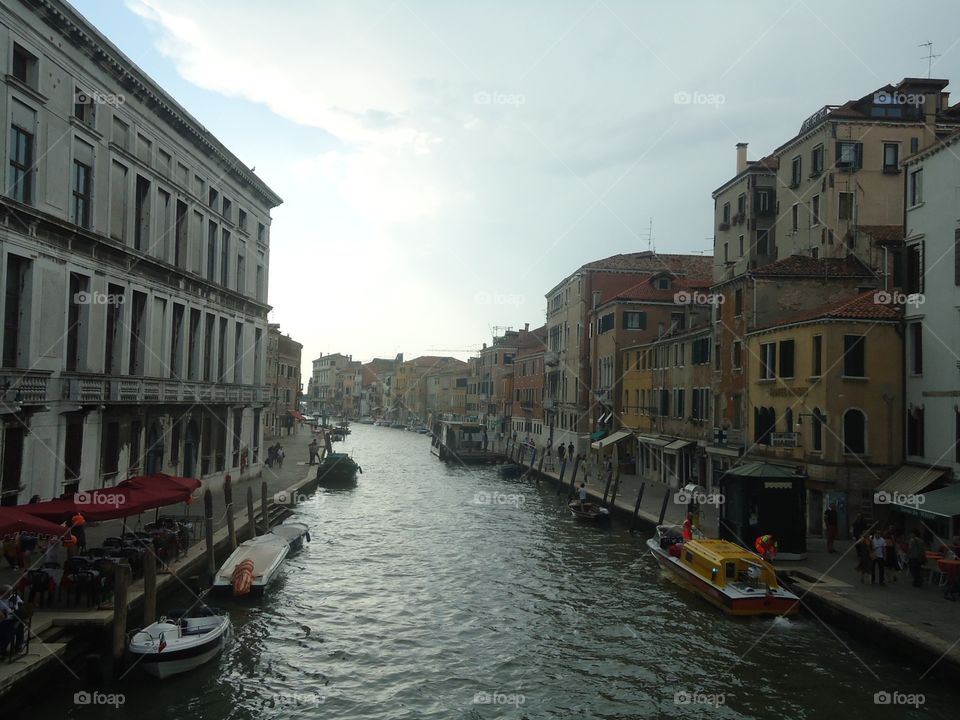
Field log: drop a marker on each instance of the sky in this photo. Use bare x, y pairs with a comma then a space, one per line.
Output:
443, 165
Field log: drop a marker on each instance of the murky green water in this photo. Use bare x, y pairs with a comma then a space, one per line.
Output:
440, 592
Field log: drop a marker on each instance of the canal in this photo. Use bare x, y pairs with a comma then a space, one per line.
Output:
437, 592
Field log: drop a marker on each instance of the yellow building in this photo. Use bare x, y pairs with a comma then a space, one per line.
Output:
825, 396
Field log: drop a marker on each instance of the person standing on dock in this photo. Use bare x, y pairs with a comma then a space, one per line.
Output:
561, 451
879, 545
830, 524
570, 450
313, 447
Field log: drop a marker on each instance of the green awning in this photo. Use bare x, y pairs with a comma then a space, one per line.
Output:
599, 434
942, 503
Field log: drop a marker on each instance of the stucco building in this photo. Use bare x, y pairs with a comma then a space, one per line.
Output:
283, 379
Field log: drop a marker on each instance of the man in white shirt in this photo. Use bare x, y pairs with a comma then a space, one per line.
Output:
879, 545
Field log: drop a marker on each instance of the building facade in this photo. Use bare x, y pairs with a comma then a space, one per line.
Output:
135, 254
283, 379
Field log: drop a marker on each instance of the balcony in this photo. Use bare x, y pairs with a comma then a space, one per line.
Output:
23, 387
551, 358
89, 388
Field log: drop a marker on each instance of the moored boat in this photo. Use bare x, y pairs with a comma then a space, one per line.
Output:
461, 442
294, 533
180, 641
337, 470
730, 577
252, 566
588, 511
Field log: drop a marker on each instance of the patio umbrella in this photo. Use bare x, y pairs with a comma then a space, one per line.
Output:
14, 520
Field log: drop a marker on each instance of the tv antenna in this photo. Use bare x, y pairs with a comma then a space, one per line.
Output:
651, 245
929, 57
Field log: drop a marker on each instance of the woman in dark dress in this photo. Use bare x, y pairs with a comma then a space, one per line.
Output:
864, 563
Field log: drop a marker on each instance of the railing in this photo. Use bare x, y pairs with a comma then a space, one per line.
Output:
23, 386
93, 388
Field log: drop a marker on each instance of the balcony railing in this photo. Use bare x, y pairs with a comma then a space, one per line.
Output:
26, 387
87, 388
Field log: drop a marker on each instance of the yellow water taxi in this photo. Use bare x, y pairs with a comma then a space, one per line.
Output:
733, 578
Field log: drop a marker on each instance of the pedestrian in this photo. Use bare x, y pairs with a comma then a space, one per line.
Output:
890, 557
830, 523
561, 452
916, 556
313, 447
280, 455
570, 450
688, 527
879, 546
271, 455
863, 557
76, 526
583, 495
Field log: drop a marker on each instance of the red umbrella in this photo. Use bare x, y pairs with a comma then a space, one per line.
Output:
14, 520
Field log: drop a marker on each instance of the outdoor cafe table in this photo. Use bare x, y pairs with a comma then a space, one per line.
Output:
949, 567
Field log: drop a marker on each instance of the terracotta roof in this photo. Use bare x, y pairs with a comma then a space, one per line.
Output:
645, 290
533, 340
649, 261
805, 266
884, 234
869, 305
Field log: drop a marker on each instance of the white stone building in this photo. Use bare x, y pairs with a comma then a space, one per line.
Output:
134, 250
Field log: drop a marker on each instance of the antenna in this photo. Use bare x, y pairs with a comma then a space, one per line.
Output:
929, 57
651, 245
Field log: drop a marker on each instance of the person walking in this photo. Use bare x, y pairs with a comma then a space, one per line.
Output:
279, 455
561, 452
859, 526
890, 558
570, 450
863, 557
312, 448
879, 546
830, 523
916, 555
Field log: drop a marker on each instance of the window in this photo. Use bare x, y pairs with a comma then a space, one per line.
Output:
193, 346
24, 66
635, 320
241, 274
238, 352
678, 402
916, 348
78, 321
228, 208
176, 342
212, 198
164, 161
817, 355
849, 155
737, 421
180, 236
845, 205
199, 186
700, 351
737, 354
741, 204
242, 219
786, 359
763, 201
138, 331
891, 157
764, 423
854, 432
795, 171
763, 242
605, 323
726, 214
914, 279
259, 287
854, 360
208, 329
662, 282
225, 258
815, 210
80, 209
21, 165
678, 321
261, 233
84, 108
716, 357
768, 361
740, 243
816, 160
726, 252
144, 149
795, 217
120, 133
211, 250
112, 347
915, 189
914, 144
915, 431
16, 307
818, 420
738, 302
141, 214
118, 201
222, 351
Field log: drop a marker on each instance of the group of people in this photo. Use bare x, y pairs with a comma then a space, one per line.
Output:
275, 454
883, 554
14, 617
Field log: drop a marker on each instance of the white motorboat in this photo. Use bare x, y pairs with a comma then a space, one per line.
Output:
180, 641
252, 566
294, 533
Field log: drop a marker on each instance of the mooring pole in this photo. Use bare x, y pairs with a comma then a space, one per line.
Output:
573, 476
616, 476
121, 582
228, 499
540, 466
149, 586
563, 468
636, 510
251, 522
663, 506
208, 529
264, 508
606, 487
533, 460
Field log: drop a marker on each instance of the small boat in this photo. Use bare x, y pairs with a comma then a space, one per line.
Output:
588, 511
730, 577
337, 470
461, 442
511, 471
180, 641
252, 566
398, 425
294, 533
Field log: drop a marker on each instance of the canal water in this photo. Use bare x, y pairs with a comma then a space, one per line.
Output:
437, 592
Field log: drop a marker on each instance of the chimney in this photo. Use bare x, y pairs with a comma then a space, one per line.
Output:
741, 157
526, 327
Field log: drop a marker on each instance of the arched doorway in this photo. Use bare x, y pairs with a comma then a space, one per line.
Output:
191, 442
154, 463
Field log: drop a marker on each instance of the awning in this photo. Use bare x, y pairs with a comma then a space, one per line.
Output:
910, 479
598, 435
14, 520
677, 445
761, 470
611, 439
297, 414
942, 503
655, 441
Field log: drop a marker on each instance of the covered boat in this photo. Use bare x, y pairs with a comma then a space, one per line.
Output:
337, 470
180, 641
734, 579
294, 533
252, 566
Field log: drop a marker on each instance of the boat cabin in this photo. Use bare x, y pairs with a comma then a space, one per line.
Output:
724, 563
461, 441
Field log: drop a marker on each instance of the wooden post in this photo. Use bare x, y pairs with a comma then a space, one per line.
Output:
616, 476
636, 510
540, 465
231, 525
563, 468
121, 582
149, 586
606, 487
663, 506
573, 476
533, 460
208, 521
251, 523
264, 506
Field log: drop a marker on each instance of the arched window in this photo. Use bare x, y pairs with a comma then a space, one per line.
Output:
854, 432
788, 420
818, 420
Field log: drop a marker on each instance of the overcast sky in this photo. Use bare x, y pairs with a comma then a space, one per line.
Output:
444, 164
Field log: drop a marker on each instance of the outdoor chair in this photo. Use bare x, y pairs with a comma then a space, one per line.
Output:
39, 586
106, 574
113, 542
